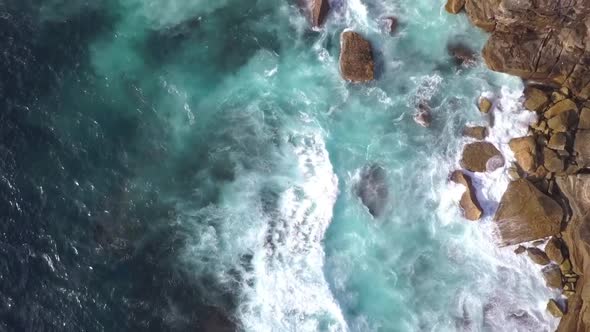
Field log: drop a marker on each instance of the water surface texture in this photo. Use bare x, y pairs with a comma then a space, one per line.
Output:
191, 165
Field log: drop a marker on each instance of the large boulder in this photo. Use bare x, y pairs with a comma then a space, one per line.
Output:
526, 214
525, 152
356, 58
564, 121
319, 11
481, 157
372, 189
552, 275
555, 250
454, 6
469, 204
560, 107
538, 256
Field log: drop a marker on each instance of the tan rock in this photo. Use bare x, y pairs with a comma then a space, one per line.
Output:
582, 147
526, 214
557, 141
469, 204
555, 309
477, 132
554, 250
481, 157
356, 58
538, 256
536, 100
566, 266
552, 275
565, 91
482, 13
454, 6
524, 149
552, 161
560, 107
557, 97
319, 12
485, 105
563, 121
584, 119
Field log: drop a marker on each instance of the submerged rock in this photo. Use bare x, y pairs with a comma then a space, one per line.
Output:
462, 55
526, 214
554, 250
481, 157
469, 204
356, 58
372, 189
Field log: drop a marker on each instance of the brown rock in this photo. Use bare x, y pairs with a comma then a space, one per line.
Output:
519, 250
524, 149
538, 256
454, 6
554, 250
469, 204
536, 100
555, 309
482, 13
561, 107
477, 132
582, 147
526, 214
562, 122
584, 119
557, 141
552, 275
551, 161
356, 58
557, 97
485, 105
481, 157
319, 11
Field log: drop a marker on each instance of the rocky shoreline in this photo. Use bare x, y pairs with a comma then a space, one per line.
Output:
548, 200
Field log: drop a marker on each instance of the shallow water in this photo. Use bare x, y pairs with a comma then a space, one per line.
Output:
187, 165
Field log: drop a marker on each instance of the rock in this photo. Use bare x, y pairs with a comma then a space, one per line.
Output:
482, 13
422, 115
538, 243
454, 6
561, 107
477, 132
469, 204
582, 147
538, 256
356, 58
552, 275
485, 105
557, 97
372, 189
535, 99
566, 266
526, 214
563, 121
554, 309
319, 12
554, 250
584, 119
551, 161
513, 172
557, 141
519, 250
524, 149
391, 25
481, 157
462, 54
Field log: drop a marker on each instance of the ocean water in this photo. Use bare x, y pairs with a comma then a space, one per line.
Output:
193, 165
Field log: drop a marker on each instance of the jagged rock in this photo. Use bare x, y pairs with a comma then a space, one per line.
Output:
584, 119
538, 256
551, 161
536, 100
524, 149
454, 6
482, 13
582, 147
555, 309
319, 12
552, 275
372, 189
554, 250
557, 97
422, 116
526, 214
469, 204
566, 266
561, 107
485, 105
477, 132
462, 54
356, 58
519, 250
481, 157
557, 141
562, 122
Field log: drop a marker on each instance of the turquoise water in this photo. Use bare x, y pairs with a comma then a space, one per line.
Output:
216, 141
